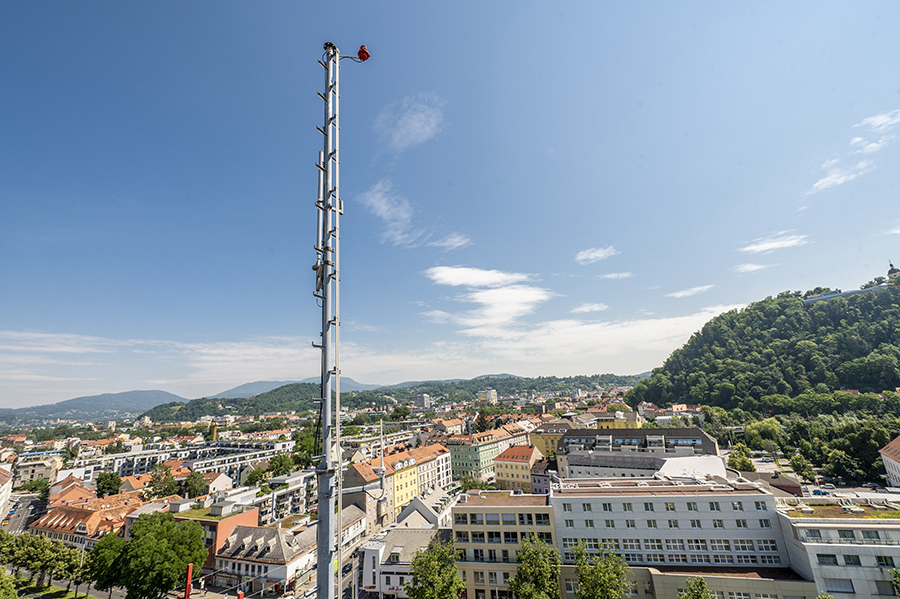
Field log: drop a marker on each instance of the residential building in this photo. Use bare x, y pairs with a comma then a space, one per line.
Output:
453, 426
81, 525
35, 466
386, 560
547, 436
890, 455
488, 528
218, 521
474, 455
660, 442
378, 499
433, 507
512, 468
423, 400
406, 478
543, 472
488, 396
270, 559
433, 466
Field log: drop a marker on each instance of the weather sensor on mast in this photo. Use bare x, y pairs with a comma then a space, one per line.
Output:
329, 208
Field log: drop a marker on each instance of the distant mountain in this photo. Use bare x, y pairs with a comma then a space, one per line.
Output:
95, 407
260, 387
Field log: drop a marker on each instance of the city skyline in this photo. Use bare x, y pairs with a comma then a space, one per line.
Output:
533, 190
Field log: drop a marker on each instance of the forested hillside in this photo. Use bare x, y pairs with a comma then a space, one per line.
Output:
779, 348
296, 396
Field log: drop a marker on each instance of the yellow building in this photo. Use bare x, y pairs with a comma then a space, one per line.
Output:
406, 478
512, 468
546, 436
618, 420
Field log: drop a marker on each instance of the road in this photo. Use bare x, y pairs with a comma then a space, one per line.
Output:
28, 509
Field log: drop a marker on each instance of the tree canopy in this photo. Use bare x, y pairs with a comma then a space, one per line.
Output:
434, 573
601, 576
537, 575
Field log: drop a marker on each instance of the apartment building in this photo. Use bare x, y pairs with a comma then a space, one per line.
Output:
488, 529
660, 442
671, 530
385, 561
546, 436
512, 468
35, 466
848, 550
378, 502
474, 455
434, 466
890, 455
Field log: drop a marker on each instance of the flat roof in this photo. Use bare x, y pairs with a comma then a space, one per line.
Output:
757, 573
501, 498
835, 511
650, 486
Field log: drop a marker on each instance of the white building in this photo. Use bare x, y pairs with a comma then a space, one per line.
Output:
890, 455
386, 560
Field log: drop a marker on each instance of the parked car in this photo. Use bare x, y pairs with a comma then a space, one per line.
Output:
870, 485
880, 490
827, 486
820, 492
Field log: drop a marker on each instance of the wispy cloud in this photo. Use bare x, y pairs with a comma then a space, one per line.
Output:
411, 122
744, 268
616, 275
775, 241
585, 308
592, 255
690, 292
394, 211
454, 241
474, 277
880, 127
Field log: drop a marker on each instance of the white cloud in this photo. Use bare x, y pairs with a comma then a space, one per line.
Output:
690, 292
585, 308
881, 123
413, 121
616, 275
837, 176
744, 268
394, 211
592, 255
454, 241
775, 241
474, 277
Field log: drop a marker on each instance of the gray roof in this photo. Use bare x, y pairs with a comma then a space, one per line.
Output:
406, 542
270, 545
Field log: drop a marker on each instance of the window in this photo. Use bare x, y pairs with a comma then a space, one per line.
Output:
611, 544
812, 533
477, 536
585, 507
692, 506
492, 519
718, 524
760, 506
478, 555
526, 519
743, 545
827, 559
591, 543
567, 507
509, 519
765, 523
610, 524
884, 587
870, 535
719, 545
651, 523
846, 534
696, 524
607, 507
723, 559
673, 523
542, 519
387, 580
852, 560
462, 536
648, 507
546, 537
589, 524
766, 545
677, 558
505, 554
741, 523
884, 561
653, 544
696, 545
769, 559
656, 557
738, 595
506, 577
629, 524
632, 558
626, 507
714, 506
476, 519
670, 506
737, 506
493, 536
699, 558
631, 544
674, 545
569, 542
510, 537
838, 585
479, 577
460, 519
492, 577
570, 524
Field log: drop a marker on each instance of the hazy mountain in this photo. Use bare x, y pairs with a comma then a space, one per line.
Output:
259, 387
95, 407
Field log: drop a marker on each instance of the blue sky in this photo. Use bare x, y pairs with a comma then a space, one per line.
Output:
531, 188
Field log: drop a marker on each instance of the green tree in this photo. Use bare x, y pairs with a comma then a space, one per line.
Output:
155, 560
108, 483
470, 482
802, 468
696, 589
194, 485
256, 476
739, 462
104, 562
537, 575
434, 573
281, 464
41, 486
7, 589
400, 413
895, 581
162, 483
602, 576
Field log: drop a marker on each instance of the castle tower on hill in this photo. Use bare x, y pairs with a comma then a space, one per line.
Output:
893, 270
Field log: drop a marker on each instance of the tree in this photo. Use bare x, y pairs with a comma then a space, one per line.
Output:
470, 482
103, 563
155, 560
802, 468
481, 422
7, 589
281, 464
41, 486
537, 575
108, 483
194, 485
696, 589
434, 573
895, 581
162, 483
603, 576
739, 462
256, 476
400, 413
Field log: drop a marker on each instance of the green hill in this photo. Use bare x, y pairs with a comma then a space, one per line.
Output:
778, 349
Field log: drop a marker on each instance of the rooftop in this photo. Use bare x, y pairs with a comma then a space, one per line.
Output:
583, 487
758, 573
501, 498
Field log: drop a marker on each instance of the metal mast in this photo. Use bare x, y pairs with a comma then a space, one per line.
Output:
329, 208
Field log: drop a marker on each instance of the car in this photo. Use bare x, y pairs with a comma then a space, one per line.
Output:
827, 486
5, 522
767, 460
870, 485
820, 492
880, 490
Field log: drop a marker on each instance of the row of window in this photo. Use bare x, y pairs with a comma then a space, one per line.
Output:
695, 558
813, 534
494, 578
673, 544
830, 559
496, 536
695, 524
479, 519
669, 506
